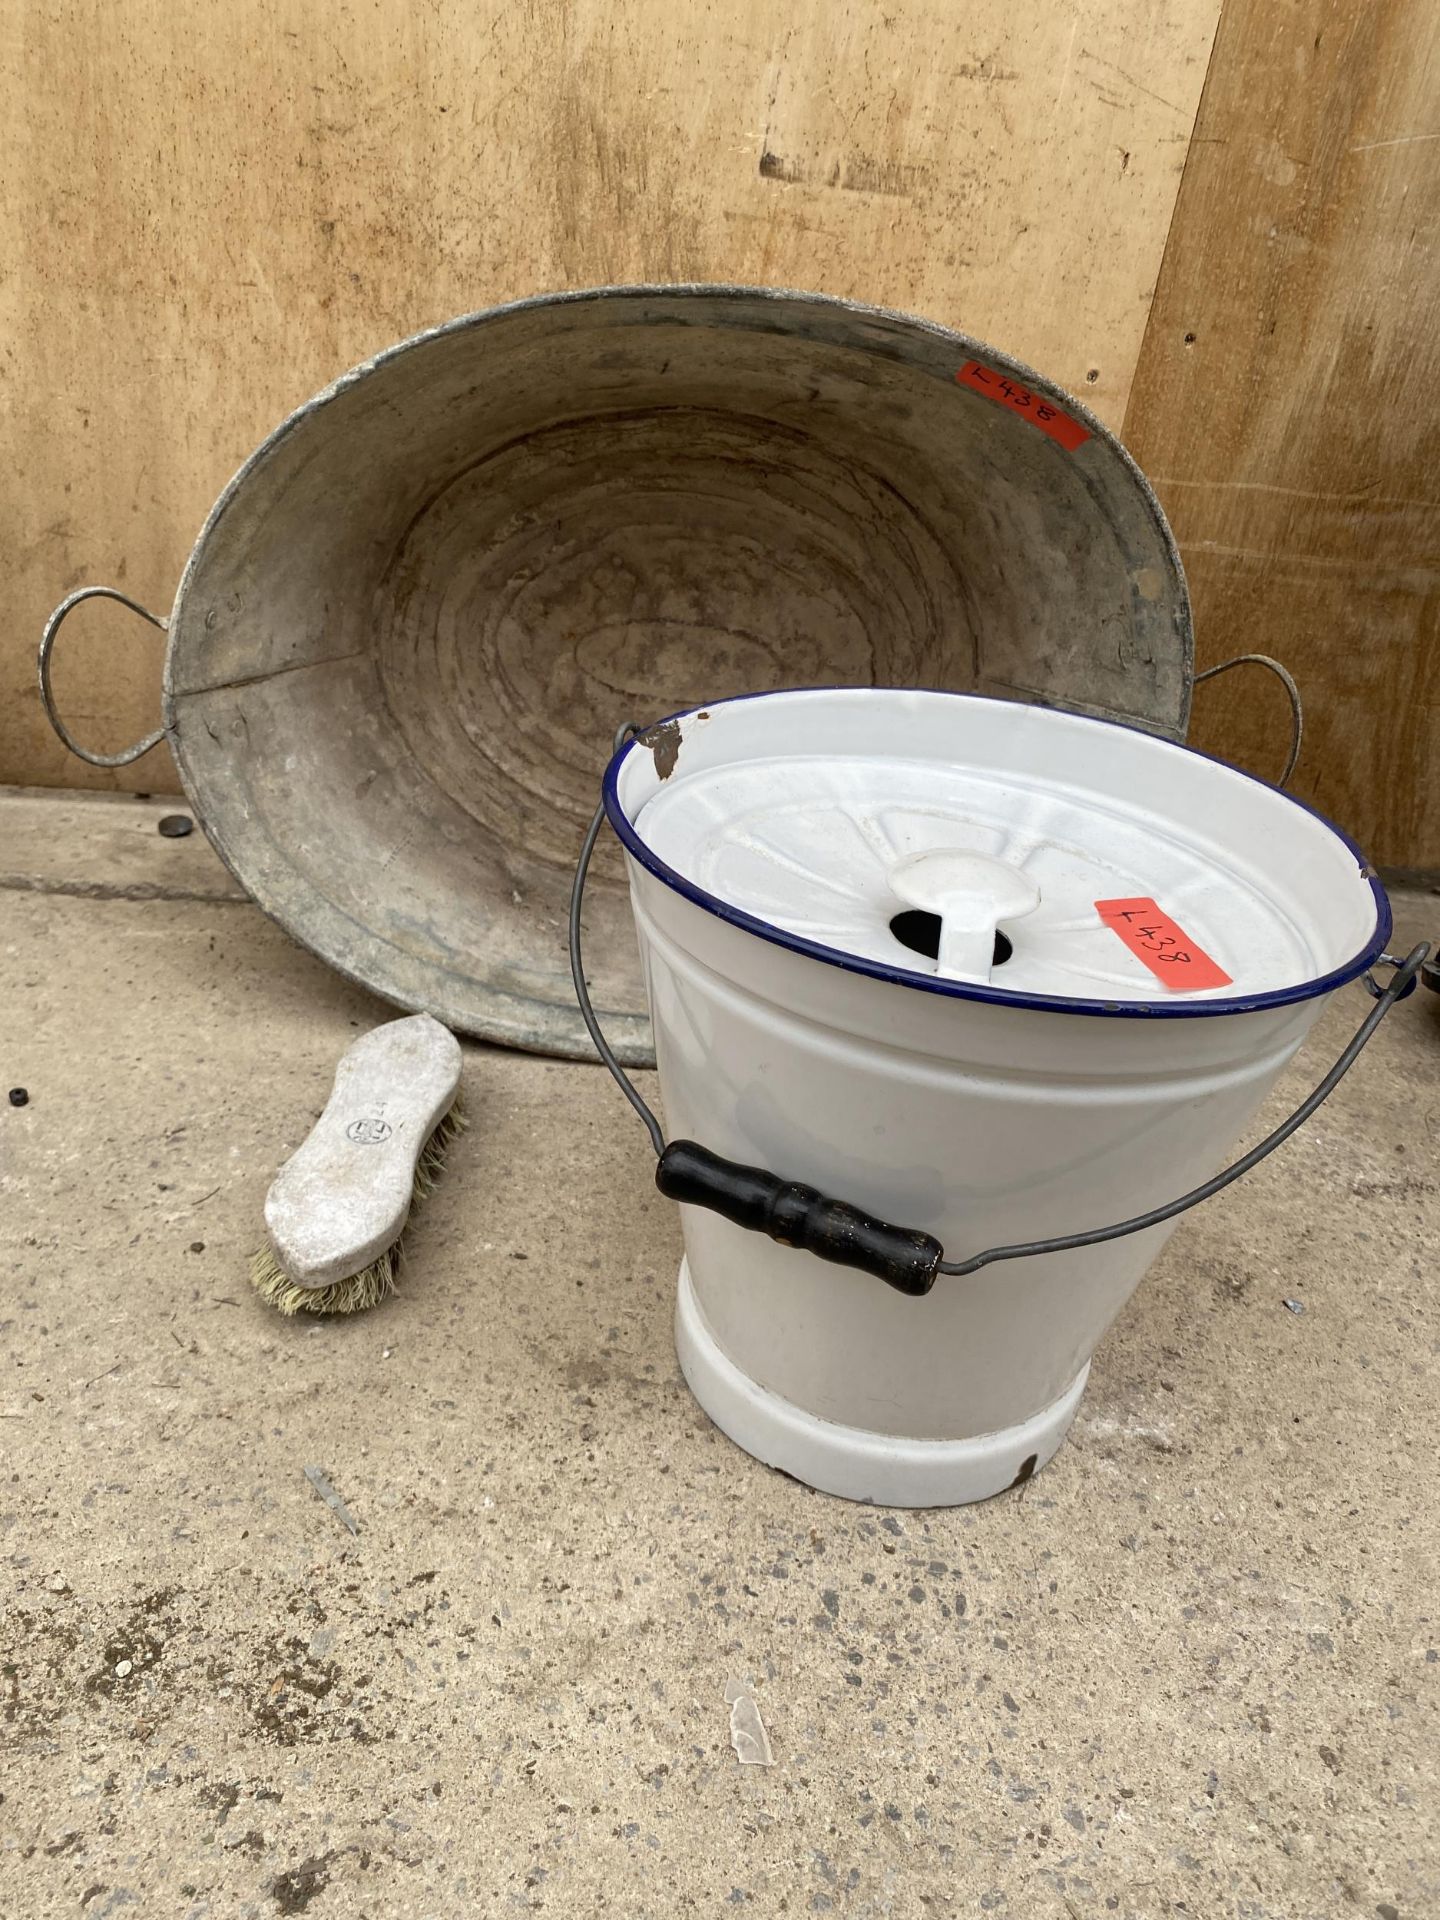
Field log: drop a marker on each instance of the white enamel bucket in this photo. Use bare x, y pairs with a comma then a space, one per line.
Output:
1035, 1073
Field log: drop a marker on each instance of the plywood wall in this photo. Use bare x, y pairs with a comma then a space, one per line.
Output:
1287, 404
208, 212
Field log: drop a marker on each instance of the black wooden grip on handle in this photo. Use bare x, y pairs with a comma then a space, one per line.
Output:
798, 1216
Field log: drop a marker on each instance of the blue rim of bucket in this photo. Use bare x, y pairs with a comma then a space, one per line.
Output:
966, 990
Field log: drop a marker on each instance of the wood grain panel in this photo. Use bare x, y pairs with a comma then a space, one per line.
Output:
209, 212
1286, 401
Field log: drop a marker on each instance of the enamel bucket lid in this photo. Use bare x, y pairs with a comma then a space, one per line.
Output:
979, 849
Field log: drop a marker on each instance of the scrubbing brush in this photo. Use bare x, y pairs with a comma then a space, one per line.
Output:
338, 1206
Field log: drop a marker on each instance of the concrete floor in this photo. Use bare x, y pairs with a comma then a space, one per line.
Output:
1190, 1669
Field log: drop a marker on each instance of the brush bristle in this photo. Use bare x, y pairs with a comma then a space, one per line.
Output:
432, 1155
369, 1287
352, 1295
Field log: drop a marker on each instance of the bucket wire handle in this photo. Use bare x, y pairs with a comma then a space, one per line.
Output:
1401, 983
1287, 680
905, 1258
582, 991
47, 694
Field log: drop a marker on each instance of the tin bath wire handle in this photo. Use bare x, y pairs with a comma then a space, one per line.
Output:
909, 1261
1292, 693
47, 695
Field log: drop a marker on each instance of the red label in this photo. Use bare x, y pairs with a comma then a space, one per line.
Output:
1168, 951
1034, 407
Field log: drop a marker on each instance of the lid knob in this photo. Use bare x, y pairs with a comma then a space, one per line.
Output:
971, 894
